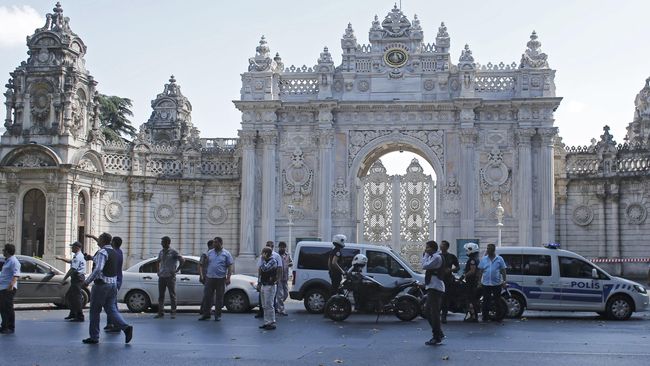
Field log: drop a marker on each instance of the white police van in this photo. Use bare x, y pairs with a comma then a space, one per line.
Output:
311, 281
550, 278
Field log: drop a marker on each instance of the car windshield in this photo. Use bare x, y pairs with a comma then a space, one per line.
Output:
406, 262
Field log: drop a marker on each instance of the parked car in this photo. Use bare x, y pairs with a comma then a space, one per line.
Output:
554, 279
140, 288
41, 283
311, 281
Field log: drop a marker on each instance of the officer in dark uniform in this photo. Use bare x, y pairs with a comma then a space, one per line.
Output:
471, 277
336, 272
451, 266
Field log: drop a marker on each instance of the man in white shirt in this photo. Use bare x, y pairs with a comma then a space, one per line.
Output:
8, 286
77, 274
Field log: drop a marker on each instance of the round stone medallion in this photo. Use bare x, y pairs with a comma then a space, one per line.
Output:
217, 215
414, 204
636, 213
396, 57
377, 204
113, 211
429, 85
164, 213
496, 174
583, 215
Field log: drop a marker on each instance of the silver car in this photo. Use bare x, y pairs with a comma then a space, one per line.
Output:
140, 287
41, 283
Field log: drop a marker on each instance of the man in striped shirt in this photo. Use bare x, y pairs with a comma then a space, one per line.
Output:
104, 290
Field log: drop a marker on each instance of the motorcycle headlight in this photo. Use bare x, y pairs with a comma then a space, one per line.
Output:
640, 289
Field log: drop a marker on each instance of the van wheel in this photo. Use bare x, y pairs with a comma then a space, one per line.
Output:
315, 299
619, 308
516, 306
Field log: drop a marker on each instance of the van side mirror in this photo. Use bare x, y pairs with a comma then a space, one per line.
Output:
402, 273
594, 273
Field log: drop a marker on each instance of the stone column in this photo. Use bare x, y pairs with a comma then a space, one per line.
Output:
12, 189
147, 240
325, 144
562, 218
547, 184
184, 229
247, 233
468, 179
198, 240
269, 140
601, 194
133, 224
524, 182
613, 228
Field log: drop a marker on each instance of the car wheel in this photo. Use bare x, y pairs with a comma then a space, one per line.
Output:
516, 306
315, 299
236, 301
137, 301
619, 308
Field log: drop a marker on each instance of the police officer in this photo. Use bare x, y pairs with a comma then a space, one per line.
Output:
336, 272
77, 274
472, 279
451, 265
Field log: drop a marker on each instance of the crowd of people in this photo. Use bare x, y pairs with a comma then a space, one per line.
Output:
216, 267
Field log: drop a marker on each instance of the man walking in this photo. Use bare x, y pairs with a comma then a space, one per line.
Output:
283, 280
8, 286
493, 277
432, 263
267, 279
116, 243
169, 262
104, 291
451, 266
203, 270
77, 274
220, 268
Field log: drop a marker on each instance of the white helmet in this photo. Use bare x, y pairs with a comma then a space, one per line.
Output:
339, 239
360, 259
471, 248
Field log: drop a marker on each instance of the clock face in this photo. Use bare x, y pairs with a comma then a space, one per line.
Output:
395, 57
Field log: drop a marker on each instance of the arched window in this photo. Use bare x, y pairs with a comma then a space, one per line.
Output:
33, 229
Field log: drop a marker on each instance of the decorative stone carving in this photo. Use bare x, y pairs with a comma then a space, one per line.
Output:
495, 176
532, 57
451, 189
415, 202
113, 211
377, 205
34, 160
217, 215
396, 24
341, 198
360, 138
636, 213
363, 86
11, 219
583, 215
429, 85
87, 165
164, 213
642, 102
298, 178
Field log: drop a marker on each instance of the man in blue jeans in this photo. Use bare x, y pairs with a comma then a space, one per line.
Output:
8, 286
104, 291
493, 277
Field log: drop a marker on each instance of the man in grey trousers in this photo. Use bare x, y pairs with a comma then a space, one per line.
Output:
168, 259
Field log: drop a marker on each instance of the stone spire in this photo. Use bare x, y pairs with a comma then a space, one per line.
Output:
466, 56
376, 25
262, 60
443, 42
395, 24
325, 57
533, 58
642, 103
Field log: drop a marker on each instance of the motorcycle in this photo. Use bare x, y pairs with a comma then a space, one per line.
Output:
372, 296
459, 299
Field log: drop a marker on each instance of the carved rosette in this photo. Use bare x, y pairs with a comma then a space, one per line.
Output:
113, 211
217, 215
164, 213
583, 215
636, 213
297, 178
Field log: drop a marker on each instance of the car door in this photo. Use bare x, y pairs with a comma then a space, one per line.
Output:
148, 279
189, 290
384, 268
540, 285
37, 283
580, 291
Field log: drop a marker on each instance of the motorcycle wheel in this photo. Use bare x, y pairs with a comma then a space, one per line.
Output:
498, 310
406, 309
338, 308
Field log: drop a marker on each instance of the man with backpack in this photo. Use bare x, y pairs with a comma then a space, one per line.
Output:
433, 264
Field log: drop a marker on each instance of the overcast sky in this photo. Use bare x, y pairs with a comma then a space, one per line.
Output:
599, 48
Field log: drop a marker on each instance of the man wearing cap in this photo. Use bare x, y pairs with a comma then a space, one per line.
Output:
77, 274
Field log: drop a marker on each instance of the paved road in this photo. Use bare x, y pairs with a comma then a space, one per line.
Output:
43, 338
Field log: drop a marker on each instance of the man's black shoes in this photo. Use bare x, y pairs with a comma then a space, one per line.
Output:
128, 334
433, 341
90, 341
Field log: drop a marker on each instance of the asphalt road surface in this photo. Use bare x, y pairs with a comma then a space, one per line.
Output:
541, 338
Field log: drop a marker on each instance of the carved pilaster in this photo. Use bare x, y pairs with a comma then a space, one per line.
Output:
269, 138
468, 135
524, 182
326, 138
523, 136
247, 138
547, 184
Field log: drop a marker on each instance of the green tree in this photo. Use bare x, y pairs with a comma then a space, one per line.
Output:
114, 113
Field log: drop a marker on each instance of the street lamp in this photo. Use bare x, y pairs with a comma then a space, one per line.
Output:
291, 210
499, 212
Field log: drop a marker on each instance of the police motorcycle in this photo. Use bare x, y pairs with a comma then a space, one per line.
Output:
460, 295
371, 296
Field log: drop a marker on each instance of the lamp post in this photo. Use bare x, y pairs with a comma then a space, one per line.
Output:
499, 212
291, 210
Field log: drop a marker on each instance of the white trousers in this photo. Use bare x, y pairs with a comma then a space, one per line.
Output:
268, 297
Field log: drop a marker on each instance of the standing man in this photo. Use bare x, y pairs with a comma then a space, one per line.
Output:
169, 263
116, 243
336, 272
220, 268
432, 263
77, 274
8, 286
104, 291
472, 279
203, 270
276, 256
267, 279
451, 266
283, 280
493, 277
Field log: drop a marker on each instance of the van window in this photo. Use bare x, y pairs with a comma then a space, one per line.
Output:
384, 263
537, 265
513, 263
316, 257
576, 268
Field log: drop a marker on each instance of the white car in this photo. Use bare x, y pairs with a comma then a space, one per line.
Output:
140, 288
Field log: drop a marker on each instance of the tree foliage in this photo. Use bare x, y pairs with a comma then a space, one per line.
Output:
114, 113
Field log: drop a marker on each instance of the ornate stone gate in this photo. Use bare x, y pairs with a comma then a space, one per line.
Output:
398, 210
